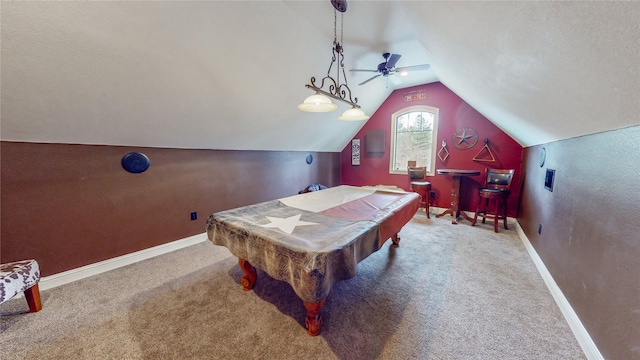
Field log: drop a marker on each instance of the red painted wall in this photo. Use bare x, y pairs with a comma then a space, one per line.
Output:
454, 113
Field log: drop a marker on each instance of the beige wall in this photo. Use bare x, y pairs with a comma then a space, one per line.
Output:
590, 237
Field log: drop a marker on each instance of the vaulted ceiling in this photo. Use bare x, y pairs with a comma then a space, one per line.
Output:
230, 74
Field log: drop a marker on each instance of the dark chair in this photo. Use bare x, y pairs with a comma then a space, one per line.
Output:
495, 192
418, 184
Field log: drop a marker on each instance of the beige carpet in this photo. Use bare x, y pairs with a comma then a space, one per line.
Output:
448, 292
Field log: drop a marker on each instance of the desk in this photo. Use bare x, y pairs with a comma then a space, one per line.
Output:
312, 240
456, 174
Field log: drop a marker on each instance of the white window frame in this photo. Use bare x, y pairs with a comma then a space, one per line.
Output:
434, 144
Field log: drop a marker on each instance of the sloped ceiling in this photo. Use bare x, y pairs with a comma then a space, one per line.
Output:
230, 74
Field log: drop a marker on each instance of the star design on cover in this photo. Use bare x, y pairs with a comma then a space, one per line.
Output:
464, 137
287, 224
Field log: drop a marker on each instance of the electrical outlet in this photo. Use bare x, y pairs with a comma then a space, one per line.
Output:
194, 216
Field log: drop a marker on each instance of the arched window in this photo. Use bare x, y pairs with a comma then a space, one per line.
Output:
414, 131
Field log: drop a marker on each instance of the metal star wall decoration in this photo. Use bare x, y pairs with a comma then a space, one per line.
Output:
464, 138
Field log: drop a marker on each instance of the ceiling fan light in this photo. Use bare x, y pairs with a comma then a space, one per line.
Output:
353, 114
317, 103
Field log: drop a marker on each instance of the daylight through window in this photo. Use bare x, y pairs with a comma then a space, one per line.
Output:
413, 138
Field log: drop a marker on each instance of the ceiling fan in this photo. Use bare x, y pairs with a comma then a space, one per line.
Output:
388, 67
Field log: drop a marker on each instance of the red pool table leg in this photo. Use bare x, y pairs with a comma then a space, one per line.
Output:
313, 322
395, 239
250, 274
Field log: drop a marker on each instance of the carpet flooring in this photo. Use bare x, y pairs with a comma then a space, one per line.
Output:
447, 292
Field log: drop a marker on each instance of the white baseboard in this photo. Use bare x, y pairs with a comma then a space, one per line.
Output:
581, 334
72, 275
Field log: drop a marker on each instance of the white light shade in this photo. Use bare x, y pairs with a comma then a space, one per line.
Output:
317, 103
353, 114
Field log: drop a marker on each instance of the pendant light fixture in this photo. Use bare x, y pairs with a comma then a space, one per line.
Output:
321, 100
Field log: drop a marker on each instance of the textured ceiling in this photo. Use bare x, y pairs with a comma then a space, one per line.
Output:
230, 74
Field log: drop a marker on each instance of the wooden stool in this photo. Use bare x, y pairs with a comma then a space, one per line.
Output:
487, 198
496, 192
419, 185
423, 188
21, 276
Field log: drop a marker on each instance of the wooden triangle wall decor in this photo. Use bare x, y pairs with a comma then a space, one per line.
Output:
485, 151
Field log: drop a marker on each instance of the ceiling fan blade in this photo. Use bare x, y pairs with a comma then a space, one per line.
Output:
393, 59
363, 70
366, 81
414, 67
